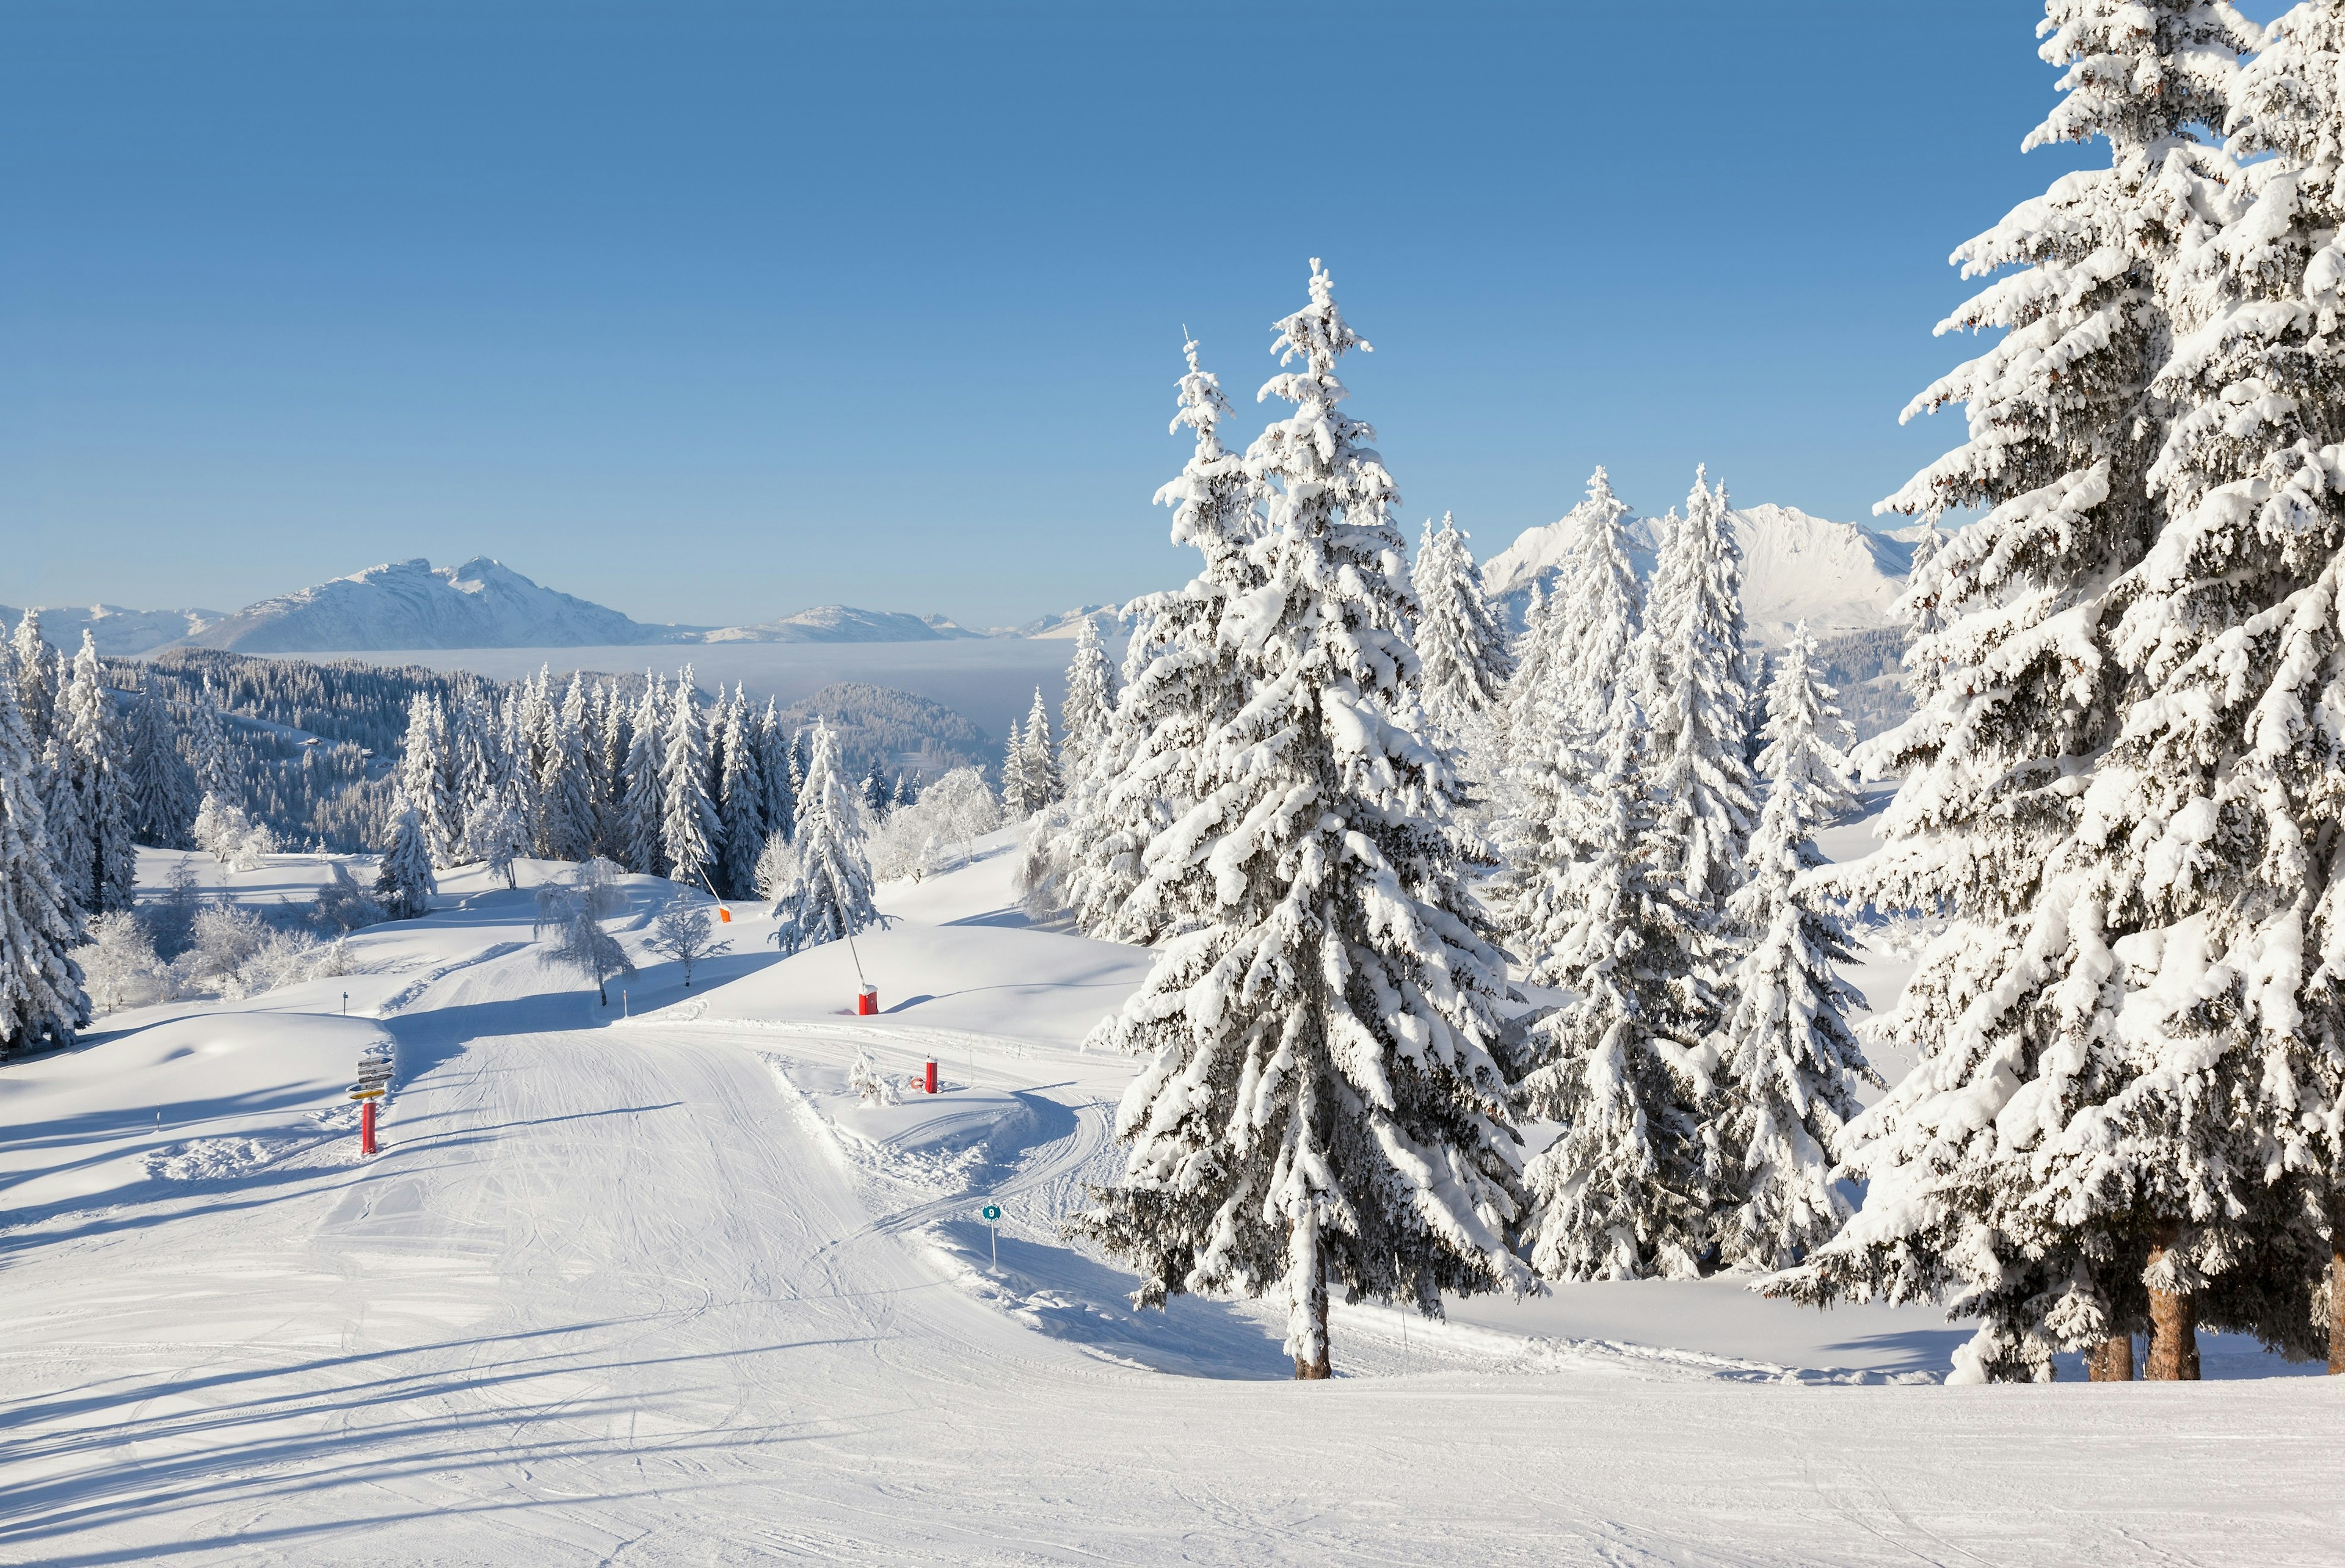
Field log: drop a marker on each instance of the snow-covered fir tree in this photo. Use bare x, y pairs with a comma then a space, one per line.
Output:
426, 779
688, 826
1460, 646
877, 795
1788, 1076
642, 799
41, 995
497, 831
1321, 1107
740, 802
1694, 685
608, 759
1179, 682
37, 683
565, 828
1578, 654
97, 862
1089, 705
779, 806
1018, 791
1041, 767
2091, 1120
162, 787
830, 895
403, 883
1626, 1064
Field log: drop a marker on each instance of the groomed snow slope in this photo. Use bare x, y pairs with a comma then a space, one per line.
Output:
659, 1289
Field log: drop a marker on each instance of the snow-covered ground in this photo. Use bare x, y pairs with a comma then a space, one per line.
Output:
651, 1283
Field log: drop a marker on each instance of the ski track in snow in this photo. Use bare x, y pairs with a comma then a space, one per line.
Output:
661, 1293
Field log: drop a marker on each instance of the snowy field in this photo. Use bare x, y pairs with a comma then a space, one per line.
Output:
658, 1288
989, 681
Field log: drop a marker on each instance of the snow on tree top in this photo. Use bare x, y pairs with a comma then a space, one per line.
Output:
1835, 576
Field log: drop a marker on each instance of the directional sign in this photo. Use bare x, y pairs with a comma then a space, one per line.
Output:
358, 1091
991, 1212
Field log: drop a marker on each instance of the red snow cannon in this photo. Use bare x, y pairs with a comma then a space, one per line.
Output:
867, 1001
931, 1084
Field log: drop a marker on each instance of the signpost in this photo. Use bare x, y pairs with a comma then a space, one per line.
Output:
993, 1213
374, 1082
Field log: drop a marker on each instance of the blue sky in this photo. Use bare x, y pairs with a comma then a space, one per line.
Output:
711, 313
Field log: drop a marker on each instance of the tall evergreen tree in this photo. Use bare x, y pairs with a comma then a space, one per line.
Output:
41, 994
1626, 1065
1791, 1062
876, 793
2043, 1168
565, 828
1694, 684
1017, 794
1321, 1104
1042, 769
36, 680
1179, 682
830, 895
94, 788
636, 834
1460, 647
426, 773
741, 801
1090, 704
689, 826
162, 787
774, 772
403, 883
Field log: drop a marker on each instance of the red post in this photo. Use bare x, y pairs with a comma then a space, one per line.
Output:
932, 1077
867, 1000
366, 1127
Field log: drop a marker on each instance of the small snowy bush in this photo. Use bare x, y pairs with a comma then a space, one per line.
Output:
686, 933
228, 836
777, 865
871, 1086
342, 906
232, 951
918, 839
118, 965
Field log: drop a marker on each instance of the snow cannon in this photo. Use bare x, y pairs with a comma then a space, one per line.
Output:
867, 1001
930, 1078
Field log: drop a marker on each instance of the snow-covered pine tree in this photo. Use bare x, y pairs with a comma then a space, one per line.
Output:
1321, 1105
425, 771
908, 793
1015, 791
608, 759
565, 828
1090, 703
205, 746
1179, 682
1460, 646
1786, 1078
162, 786
1695, 687
637, 833
41, 995
1599, 609
1584, 640
780, 805
1042, 783
876, 793
36, 680
688, 826
1626, 1064
830, 896
740, 802
403, 883
2055, 1132
90, 750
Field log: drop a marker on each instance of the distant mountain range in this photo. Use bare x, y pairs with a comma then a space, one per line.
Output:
1835, 576
484, 603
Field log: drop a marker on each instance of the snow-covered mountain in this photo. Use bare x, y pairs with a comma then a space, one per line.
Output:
118, 632
1836, 576
482, 603
843, 624
1107, 618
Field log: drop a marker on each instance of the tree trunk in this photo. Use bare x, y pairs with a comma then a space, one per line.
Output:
2336, 1282
2173, 1322
2111, 1360
1315, 1305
